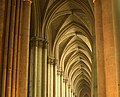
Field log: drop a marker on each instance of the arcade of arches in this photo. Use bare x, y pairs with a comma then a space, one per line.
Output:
59, 48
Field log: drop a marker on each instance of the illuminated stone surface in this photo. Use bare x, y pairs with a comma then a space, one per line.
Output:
59, 48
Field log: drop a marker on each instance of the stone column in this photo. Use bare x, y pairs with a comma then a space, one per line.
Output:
5, 55
99, 49
116, 15
66, 88
69, 91
63, 93
15, 50
10, 50
2, 18
35, 66
109, 50
24, 55
35, 80
61, 83
39, 67
19, 47
31, 68
56, 74
58, 82
51, 79
44, 69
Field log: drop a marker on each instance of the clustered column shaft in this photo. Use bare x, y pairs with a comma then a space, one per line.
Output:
15, 51
107, 31
38, 67
52, 77
58, 82
24, 51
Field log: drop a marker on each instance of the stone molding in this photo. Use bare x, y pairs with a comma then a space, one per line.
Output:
52, 61
38, 42
65, 80
58, 72
61, 73
45, 44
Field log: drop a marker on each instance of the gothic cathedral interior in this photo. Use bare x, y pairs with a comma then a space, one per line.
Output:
59, 48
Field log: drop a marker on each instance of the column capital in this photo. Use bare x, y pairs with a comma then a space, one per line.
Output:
52, 61
56, 61
61, 73
45, 42
58, 72
40, 43
36, 41
65, 80
49, 60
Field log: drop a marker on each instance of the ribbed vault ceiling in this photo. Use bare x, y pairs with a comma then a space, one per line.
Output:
69, 27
